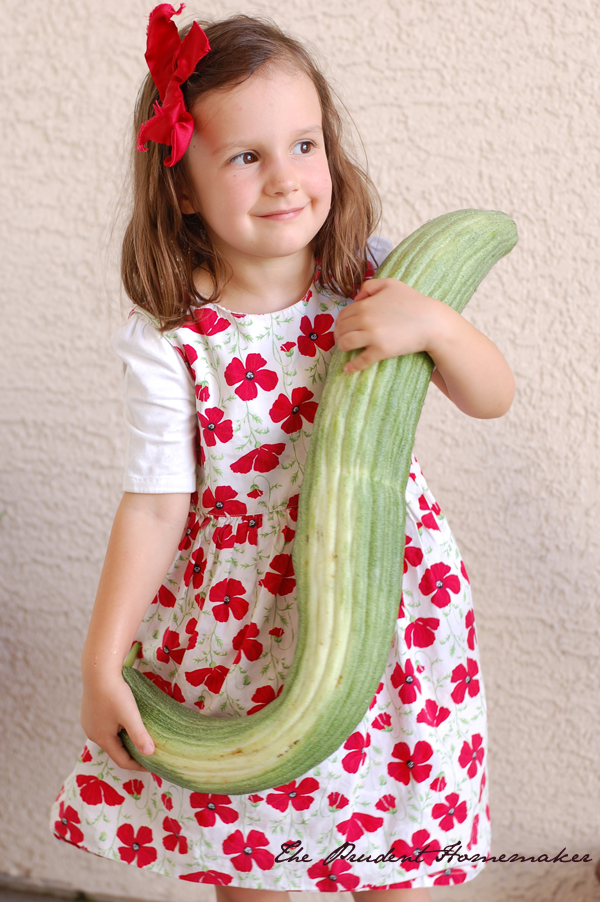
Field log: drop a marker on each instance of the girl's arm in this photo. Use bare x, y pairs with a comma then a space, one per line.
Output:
389, 319
143, 542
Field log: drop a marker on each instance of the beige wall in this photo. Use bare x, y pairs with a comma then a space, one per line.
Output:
460, 103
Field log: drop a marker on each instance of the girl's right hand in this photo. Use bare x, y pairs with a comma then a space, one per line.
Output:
107, 707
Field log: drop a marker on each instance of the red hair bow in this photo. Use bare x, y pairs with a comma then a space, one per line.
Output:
171, 62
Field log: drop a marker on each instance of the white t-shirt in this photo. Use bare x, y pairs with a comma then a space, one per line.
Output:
160, 405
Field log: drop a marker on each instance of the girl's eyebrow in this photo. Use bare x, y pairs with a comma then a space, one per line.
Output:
240, 143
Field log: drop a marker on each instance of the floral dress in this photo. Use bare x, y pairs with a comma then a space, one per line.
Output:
219, 637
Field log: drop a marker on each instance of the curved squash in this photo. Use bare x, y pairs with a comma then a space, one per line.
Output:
348, 550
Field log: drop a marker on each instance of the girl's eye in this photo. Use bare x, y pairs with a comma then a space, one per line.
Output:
246, 157
303, 147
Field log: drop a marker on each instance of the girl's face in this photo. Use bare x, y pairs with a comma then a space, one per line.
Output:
258, 166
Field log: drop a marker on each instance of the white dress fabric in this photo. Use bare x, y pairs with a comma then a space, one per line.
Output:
223, 407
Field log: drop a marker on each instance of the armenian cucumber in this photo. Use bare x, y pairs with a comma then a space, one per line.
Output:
348, 550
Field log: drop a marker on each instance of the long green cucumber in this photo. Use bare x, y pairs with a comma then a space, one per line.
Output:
348, 549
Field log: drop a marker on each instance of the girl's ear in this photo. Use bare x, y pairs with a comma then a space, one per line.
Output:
185, 204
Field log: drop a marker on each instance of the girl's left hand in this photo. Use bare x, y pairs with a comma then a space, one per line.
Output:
390, 319
387, 319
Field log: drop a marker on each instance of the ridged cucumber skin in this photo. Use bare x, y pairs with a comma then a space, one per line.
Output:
348, 550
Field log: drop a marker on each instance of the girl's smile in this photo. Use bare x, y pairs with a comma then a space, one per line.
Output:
258, 169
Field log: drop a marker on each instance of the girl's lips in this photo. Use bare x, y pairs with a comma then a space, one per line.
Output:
282, 215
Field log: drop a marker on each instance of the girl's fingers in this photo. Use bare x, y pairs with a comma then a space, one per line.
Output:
115, 749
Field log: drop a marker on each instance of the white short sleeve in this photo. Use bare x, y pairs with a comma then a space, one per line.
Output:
378, 249
160, 411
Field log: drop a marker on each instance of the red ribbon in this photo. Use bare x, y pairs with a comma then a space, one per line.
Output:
171, 62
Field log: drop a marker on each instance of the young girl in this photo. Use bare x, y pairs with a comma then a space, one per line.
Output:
247, 243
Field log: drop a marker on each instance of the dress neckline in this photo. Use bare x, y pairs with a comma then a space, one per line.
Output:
239, 315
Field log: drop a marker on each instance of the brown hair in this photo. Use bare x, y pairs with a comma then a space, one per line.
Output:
162, 247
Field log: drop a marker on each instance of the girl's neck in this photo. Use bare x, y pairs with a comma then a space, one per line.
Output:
263, 285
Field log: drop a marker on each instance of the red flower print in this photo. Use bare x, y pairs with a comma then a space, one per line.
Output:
292, 411
202, 392
166, 597
167, 800
224, 536
280, 580
264, 696
374, 699
315, 335
134, 788
482, 787
299, 796
249, 375
192, 632
189, 357
357, 743
170, 689
255, 493
247, 530
438, 785
93, 791
212, 677
464, 677
226, 596
170, 650
472, 755
288, 534
386, 803
277, 632
175, 842
428, 518
432, 715
261, 460
336, 801
410, 764
288, 346
157, 779
406, 682
383, 722
463, 570
135, 845
255, 799
358, 824
473, 841
420, 847
450, 876
470, 625
205, 321
248, 850
212, 807
437, 581
222, 503
245, 643
412, 556
216, 878
421, 632
67, 823
334, 877
449, 811
86, 755
214, 426
194, 572
191, 531
292, 507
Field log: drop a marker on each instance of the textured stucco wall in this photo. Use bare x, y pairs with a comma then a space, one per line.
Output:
460, 103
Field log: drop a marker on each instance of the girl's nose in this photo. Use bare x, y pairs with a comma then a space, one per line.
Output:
281, 178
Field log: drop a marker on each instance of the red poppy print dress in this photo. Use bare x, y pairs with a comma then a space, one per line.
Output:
224, 407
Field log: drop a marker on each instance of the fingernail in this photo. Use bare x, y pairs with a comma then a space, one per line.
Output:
147, 749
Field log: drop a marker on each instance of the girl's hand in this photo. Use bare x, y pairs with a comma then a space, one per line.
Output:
390, 319
387, 319
107, 707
